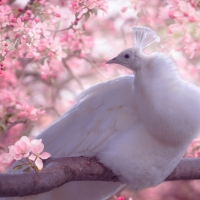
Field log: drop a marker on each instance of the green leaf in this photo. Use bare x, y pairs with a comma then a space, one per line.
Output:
36, 168
1, 58
2, 126
7, 116
52, 80
42, 60
196, 148
27, 169
87, 16
17, 167
94, 11
35, 4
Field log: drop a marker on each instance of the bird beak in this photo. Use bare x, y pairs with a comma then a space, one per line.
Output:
111, 61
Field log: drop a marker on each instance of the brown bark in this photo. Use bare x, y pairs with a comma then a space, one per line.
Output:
58, 171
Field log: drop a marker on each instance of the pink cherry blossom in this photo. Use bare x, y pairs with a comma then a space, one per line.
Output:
19, 26
44, 30
78, 5
4, 13
20, 150
190, 49
194, 149
7, 158
37, 147
123, 10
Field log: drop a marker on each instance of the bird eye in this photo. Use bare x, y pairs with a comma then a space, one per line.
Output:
127, 56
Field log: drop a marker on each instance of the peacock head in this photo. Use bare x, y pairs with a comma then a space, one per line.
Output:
128, 58
133, 58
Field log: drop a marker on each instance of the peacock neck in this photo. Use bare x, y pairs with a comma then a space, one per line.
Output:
158, 108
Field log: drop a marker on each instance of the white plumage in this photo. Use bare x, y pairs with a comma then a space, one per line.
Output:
138, 126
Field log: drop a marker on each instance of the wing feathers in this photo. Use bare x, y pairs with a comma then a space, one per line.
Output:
101, 111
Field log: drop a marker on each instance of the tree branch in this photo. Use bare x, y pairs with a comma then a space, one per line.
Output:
58, 171
187, 169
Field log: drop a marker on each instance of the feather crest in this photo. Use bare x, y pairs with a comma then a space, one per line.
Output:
144, 36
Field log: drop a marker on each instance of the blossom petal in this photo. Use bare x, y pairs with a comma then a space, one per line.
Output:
36, 141
18, 156
23, 146
39, 163
11, 150
32, 157
7, 158
25, 139
26, 155
37, 146
45, 155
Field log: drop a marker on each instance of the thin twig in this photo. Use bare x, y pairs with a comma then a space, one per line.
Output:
72, 74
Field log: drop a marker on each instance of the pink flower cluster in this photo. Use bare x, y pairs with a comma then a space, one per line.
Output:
80, 45
193, 150
186, 25
31, 150
26, 32
178, 24
19, 108
33, 44
78, 5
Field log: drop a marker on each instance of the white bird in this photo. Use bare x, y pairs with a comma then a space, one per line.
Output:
139, 126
